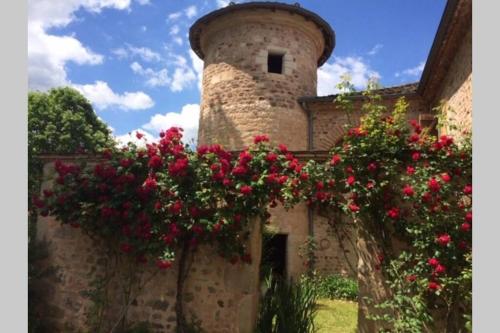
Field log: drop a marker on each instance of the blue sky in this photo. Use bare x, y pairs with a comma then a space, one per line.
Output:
132, 59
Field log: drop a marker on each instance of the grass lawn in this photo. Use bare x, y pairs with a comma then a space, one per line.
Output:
336, 316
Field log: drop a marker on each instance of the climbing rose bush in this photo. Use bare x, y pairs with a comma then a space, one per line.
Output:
148, 202
398, 181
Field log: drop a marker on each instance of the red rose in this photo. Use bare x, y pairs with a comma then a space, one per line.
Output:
304, 176
155, 162
408, 190
416, 156
260, 138
163, 264
168, 239
433, 286
440, 269
239, 170
370, 185
282, 148
335, 159
433, 262
468, 189
434, 185
393, 213
445, 177
126, 248
197, 229
157, 205
271, 157
414, 138
126, 162
226, 182
139, 135
443, 239
353, 207
176, 207
468, 217
446, 140
410, 170
245, 157
246, 190
351, 180
320, 185
372, 167
465, 227
150, 183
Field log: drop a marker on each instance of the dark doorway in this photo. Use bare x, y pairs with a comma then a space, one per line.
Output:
274, 255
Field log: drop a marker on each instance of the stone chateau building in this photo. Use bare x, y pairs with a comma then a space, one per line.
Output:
260, 77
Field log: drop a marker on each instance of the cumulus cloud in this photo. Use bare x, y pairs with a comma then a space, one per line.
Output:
330, 74
103, 97
184, 74
174, 30
375, 49
48, 54
174, 16
153, 78
222, 3
144, 53
412, 72
191, 11
187, 119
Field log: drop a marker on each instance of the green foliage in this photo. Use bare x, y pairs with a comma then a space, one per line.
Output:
287, 307
334, 286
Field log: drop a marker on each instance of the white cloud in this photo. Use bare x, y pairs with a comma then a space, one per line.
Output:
375, 49
222, 3
414, 71
48, 54
187, 119
143, 2
197, 64
191, 11
145, 53
174, 30
329, 75
174, 16
101, 95
153, 78
178, 41
120, 53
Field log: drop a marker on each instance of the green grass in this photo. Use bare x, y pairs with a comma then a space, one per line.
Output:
336, 316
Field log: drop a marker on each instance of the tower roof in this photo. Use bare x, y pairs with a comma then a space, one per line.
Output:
327, 31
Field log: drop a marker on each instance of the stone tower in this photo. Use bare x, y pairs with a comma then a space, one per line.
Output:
260, 57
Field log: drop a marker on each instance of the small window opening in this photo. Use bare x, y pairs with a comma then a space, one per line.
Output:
275, 63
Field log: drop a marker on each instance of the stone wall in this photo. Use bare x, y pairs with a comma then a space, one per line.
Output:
222, 296
328, 120
456, 88
335, 247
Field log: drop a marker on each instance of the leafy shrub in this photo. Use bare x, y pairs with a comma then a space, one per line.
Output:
334, 286
287, 307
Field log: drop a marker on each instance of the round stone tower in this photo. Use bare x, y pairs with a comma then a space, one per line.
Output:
260, 57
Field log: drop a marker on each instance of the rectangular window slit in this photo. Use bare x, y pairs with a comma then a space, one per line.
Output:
275, 63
